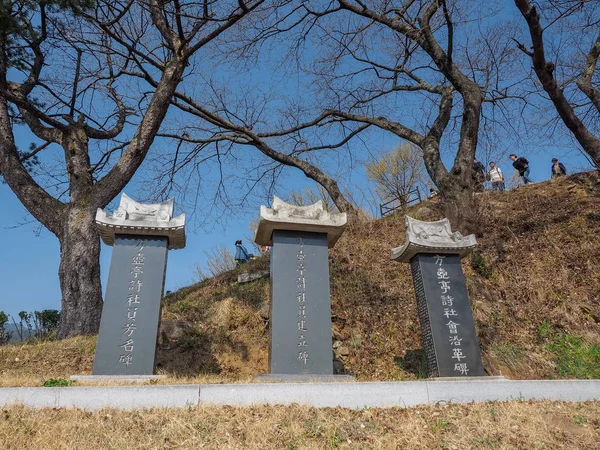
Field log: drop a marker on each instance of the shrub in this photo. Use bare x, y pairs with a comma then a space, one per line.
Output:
480, 265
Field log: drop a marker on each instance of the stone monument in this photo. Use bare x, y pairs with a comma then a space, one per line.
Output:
447, 327
300, 344
140, 235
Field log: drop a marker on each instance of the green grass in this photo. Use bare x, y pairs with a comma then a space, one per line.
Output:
509, 353
580, 420
574, 357
544, 329
57, 382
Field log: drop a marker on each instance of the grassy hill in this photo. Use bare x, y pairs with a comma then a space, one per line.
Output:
534, 285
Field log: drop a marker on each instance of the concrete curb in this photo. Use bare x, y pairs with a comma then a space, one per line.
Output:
346, 395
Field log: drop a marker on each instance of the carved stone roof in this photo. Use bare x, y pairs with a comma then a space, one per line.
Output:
432, 237
139, 219
312, 218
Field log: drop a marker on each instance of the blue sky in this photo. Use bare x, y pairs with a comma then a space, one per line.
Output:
29, 262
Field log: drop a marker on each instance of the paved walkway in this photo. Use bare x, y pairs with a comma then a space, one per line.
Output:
347, 395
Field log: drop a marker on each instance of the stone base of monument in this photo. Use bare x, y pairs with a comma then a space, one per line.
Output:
484, 378
307, 378
118, 378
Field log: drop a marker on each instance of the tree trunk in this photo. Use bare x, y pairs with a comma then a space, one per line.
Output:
79, 274
460, 208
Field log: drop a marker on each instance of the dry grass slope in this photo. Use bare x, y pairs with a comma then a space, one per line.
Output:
534, 286
514, 425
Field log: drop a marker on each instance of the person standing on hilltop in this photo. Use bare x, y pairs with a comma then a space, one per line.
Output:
558, 169
522, 166
478, 175
496, 177
241, 254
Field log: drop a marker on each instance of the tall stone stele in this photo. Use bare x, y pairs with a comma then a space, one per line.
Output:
448, 331
140, 235
300, 313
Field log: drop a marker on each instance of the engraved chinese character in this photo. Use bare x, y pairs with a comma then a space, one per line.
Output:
300, 242
442, 274
135, 285
301, 283
461, 367
135, 271
452, 327
439, 259
454, 340
301, 268
128, 346
133, 299
449, 312
301, 297
302, 311
129, 328
131, 313
302, 341
458, 354
126, 359
302, 325
303, 356
138, 260
140, 244
300, 256
447, 300
445, 286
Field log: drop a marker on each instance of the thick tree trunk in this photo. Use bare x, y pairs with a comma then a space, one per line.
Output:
79, 274
460, 208
456, 186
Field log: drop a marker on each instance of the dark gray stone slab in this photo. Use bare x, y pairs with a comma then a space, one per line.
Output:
131, 312
300, 340
447, 325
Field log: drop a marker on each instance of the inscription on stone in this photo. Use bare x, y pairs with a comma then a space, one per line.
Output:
447, 323
131, 311
300, 340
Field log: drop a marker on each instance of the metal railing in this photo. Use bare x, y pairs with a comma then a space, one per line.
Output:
413, 197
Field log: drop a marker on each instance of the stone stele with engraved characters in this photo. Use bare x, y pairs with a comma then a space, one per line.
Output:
130, 316
300, 341
140, 235
447, 325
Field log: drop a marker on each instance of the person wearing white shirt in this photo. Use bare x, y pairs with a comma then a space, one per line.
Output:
496, 177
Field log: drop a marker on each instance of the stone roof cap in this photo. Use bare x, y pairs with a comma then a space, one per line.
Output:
133, 218
432, 237
313, 218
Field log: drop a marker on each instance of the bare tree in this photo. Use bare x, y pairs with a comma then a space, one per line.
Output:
404, 68
219, 259
60, 69
240, 133
576, 97
397, 174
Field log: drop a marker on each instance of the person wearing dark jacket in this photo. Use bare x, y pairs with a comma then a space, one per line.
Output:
241, 254
522, 166
558, 169
478, 175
